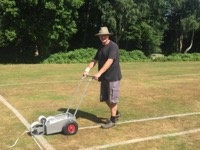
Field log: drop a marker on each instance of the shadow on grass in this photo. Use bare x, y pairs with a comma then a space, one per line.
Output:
86, 115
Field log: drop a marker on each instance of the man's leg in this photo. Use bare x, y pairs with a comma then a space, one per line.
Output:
111, 97
114, 111
113, 108
112, 121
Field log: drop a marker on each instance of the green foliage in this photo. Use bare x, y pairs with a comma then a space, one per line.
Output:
179, 57
76, 56
51, 26
86, 55
183, 18
151, 38
147, 38
8, 13
184, 57
47, 25
10, 35
118, 15
132, 56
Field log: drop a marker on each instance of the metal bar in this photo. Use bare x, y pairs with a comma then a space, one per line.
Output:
83, 94
74, 95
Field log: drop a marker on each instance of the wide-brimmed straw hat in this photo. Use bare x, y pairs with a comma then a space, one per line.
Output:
103, 31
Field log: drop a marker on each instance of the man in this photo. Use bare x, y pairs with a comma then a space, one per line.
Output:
109, 74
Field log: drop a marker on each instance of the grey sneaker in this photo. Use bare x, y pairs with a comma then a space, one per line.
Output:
108, 125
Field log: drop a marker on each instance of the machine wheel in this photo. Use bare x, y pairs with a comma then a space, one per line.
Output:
42, 119
37, 128
70, 128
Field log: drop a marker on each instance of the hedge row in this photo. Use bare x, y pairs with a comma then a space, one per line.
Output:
85, 56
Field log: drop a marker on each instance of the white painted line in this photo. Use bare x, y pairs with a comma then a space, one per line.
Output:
160, 118
89, 127
147, 119
156, 137
41, 139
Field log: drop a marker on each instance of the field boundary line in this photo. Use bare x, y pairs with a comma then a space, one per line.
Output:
147, 119
41, 139
132, 141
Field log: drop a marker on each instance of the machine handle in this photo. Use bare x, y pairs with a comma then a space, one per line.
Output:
87, 76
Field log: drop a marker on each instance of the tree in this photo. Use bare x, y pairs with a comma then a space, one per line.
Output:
118, 15
190, 21
183, 17
88, 23
190, 25
31, 25
147, 32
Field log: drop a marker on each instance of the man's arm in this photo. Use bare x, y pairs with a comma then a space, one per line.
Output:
105, 67
90, 66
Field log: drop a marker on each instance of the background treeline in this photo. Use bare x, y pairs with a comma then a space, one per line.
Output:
33, 30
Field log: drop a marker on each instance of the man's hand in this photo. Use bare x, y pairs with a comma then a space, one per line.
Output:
96, 76
86, 72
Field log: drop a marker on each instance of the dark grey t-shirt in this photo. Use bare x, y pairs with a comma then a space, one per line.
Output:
105, 52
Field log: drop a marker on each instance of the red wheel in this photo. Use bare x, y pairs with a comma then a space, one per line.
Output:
70, 128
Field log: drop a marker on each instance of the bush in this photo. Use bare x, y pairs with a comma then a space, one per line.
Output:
85, 56
135, 55
124, 55
184, 57
196, 56
76, 56
178, 57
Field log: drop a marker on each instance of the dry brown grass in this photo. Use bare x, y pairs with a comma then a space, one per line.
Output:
147, 90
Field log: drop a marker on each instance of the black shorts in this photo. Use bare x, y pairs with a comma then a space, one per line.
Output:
110, 91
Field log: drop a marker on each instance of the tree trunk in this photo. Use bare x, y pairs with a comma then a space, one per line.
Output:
181, 43
191, 43
86, 24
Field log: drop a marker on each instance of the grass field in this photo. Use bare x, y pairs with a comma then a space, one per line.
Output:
148, 90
